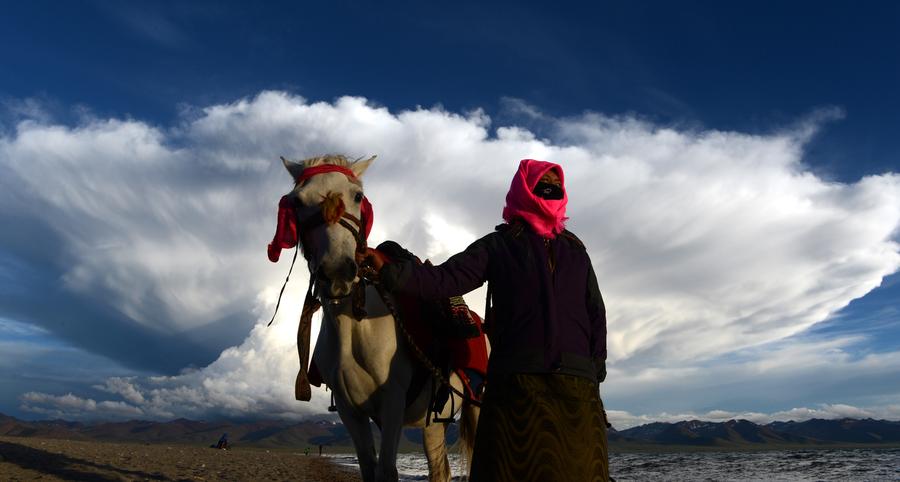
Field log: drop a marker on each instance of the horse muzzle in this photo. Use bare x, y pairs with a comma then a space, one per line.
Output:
341, 276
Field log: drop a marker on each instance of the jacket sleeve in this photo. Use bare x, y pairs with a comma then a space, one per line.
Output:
597, 315
460, 274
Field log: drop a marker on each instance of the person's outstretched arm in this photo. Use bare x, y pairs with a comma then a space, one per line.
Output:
460, 274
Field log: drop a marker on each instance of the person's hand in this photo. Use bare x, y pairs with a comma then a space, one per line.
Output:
371, 257
600, 367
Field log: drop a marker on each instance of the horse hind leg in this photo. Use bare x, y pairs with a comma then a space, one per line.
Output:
436, 452
468, 423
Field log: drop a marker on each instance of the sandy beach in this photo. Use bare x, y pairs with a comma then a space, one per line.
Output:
49, 459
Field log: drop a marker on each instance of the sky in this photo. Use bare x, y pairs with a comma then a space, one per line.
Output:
733, 168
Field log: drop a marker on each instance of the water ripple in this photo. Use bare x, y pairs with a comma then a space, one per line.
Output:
776, 465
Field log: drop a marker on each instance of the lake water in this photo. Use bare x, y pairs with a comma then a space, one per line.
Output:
781, 465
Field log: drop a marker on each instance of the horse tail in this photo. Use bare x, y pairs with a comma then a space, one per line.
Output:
468, 422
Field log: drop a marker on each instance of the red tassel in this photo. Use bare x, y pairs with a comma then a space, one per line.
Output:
286, 232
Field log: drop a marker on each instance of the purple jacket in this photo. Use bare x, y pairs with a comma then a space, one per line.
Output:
548, 315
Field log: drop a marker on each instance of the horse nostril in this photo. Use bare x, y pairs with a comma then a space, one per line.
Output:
348, 268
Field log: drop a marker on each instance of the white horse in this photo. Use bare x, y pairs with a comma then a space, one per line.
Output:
368, 364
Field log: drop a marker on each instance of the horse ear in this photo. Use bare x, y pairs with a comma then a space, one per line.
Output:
294, 168
359, 167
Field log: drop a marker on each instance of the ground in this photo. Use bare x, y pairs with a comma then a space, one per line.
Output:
48, 459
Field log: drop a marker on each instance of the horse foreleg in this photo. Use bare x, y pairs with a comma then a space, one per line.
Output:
361, 433
436, 452
393, 407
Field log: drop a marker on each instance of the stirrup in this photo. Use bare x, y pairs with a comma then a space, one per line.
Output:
449, 419
433, 409
332, 407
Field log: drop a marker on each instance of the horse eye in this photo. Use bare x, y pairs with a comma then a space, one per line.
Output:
358, 198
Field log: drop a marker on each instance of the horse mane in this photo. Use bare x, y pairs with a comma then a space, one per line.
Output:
334, 159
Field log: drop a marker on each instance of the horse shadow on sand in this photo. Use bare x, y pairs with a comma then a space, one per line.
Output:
66, 467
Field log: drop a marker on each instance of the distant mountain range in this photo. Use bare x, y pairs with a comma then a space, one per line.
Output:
265, 434
733, 434
746, 434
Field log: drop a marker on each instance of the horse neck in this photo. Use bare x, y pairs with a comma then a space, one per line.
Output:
360, 337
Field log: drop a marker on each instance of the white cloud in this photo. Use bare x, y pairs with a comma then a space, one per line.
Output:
254, 379
705, 242
73, 406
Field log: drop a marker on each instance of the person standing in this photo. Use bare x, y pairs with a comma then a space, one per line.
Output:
542, 418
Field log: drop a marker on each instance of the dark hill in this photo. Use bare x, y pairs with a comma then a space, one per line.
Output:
738, 433
733, 434
14, 427
270, 433
846, 430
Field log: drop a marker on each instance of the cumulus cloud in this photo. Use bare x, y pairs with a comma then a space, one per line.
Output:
705, 242
68, 405
253, 380
788, 373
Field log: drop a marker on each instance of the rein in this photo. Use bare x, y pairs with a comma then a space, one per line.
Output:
423, 358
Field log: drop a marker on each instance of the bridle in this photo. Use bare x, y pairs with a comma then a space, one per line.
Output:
348, 221
331, 210
356, 227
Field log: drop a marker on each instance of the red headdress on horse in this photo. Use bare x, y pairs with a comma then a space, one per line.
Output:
286, 235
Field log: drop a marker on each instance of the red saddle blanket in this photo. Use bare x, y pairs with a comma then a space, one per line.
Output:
419, 319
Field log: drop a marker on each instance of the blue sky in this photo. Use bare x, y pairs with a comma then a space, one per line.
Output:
138, 159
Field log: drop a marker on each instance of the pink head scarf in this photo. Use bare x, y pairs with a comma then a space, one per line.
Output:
547, 217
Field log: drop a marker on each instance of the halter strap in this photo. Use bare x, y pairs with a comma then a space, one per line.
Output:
364, 224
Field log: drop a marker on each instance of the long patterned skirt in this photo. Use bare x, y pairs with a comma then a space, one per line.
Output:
537, 427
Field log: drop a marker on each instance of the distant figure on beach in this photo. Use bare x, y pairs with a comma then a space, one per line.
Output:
306, 451
223, 442
542, 418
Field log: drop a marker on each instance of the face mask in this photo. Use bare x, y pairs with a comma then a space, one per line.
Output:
548, 191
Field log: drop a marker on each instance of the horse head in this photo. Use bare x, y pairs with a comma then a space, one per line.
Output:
325, 202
